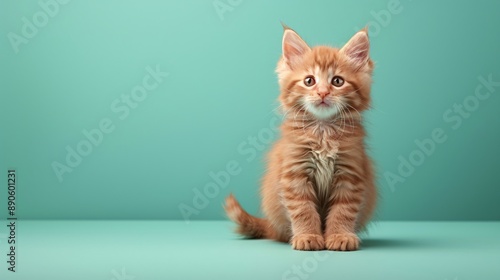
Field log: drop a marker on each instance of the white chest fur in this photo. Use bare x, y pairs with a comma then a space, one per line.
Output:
323, 156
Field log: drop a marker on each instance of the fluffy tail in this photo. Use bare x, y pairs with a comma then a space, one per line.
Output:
248, 225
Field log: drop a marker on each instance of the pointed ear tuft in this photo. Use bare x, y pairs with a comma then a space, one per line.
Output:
285, 27
293, 47
358, 49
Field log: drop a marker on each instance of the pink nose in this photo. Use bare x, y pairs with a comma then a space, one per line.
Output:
323, 93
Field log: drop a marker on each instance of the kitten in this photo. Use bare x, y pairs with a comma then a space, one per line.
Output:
319, 188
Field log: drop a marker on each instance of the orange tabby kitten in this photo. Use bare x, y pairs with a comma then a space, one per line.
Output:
319, 187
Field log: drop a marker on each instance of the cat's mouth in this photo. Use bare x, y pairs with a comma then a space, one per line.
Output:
323, 104
322, 109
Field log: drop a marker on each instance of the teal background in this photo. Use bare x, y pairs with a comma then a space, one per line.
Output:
222, 89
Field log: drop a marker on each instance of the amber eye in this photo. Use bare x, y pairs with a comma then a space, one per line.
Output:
309, 81
337, 81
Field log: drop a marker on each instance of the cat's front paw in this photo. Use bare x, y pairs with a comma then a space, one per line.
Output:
308, 242
342, 242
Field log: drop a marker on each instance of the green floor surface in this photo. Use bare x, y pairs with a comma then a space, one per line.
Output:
147, 250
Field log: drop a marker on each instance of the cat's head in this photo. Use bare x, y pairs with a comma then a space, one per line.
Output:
324, 81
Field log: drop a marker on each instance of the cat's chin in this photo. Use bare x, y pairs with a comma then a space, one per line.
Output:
322, 111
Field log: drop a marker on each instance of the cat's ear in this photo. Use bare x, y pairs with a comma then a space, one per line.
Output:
357, 50
293, 47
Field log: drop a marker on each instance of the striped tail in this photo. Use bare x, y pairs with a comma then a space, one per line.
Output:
248, 225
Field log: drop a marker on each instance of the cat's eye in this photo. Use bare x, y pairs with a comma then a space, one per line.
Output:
309, 81
337, 81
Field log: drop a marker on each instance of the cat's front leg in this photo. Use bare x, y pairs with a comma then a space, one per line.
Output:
300, 201
345, 204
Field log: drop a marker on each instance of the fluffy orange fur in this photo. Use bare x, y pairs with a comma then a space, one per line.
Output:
319, 190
